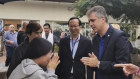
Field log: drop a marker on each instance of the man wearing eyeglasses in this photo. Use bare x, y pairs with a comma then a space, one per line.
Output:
71, 49
10, 40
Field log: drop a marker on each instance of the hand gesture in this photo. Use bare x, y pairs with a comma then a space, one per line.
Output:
128, 68
53, 62
91, 61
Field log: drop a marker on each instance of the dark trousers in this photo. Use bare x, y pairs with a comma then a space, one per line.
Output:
10, 51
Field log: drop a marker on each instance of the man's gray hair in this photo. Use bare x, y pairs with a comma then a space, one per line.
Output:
99, 10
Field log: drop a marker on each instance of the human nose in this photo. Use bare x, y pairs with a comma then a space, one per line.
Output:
91, 23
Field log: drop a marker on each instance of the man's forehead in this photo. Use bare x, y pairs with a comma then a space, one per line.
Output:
45, 26
11, 26
93, 14
74, 21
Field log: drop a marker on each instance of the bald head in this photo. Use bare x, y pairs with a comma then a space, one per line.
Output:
12, 28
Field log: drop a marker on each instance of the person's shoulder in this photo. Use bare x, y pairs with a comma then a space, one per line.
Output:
84, 38
117, 33
20, 32
16, 32
65, 38
7, 32
23, 45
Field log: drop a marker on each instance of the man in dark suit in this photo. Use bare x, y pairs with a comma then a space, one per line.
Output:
71, 49
110, 46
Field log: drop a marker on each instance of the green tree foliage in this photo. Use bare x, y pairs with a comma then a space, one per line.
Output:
124, 10
129, 29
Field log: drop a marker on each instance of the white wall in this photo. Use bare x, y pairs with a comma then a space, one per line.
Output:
39, 10
52, 11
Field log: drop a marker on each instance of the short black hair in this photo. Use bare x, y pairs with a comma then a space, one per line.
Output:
37, 48
47, 24
32, 27
80, 23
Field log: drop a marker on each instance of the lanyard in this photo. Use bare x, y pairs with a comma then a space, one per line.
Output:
73, 45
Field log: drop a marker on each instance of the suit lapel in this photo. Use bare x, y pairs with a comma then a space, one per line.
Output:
107, 38
95, 44
79, 46
68, 44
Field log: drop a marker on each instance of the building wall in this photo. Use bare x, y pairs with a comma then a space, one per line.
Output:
51, 11
39, 10
42, 11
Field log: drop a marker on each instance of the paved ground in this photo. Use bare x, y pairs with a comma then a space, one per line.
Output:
2, 61
3, 69
3, 58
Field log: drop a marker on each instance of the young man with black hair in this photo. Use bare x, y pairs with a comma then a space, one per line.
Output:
32, 30
49, 35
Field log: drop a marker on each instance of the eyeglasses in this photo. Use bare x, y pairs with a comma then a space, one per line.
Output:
73, 26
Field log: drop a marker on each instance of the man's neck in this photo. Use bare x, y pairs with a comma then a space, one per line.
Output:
11, 31
47, 34
103, 30
37, 61
74, 37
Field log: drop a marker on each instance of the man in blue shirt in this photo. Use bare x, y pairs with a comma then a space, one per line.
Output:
10, 40
110, 46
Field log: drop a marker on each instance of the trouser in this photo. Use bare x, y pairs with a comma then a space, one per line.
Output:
10, 51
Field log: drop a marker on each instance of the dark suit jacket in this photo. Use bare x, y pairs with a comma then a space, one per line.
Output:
66, 61
115, 50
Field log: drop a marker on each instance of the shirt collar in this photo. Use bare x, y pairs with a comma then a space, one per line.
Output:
78, 37
104, 34
11, 32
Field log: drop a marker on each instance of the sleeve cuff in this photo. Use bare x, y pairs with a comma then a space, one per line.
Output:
51, 71
98, 65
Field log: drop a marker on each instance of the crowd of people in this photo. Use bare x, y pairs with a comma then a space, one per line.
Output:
30, 52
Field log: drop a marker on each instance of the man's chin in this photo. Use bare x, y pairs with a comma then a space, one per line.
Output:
74, 33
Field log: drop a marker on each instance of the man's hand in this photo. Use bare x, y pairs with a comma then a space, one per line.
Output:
11, 42
128, 68
91, 61
53, 62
